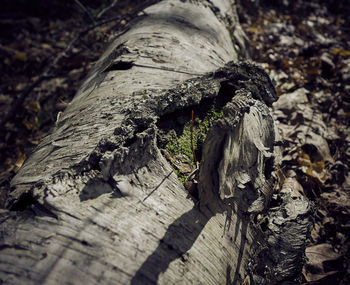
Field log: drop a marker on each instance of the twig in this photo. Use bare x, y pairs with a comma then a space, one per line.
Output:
99, 15
148, 195
8, 50
194, 155
45, 74
85, 10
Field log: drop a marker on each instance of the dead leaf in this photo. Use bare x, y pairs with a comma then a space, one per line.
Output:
312, 71
20, 160
46, 46
20, 56
287, 86
31, 124
33, 106
326, 58
288, 102
61, 44
341, 52
322, 262
310, 164
255, 30
338, 201
314, 137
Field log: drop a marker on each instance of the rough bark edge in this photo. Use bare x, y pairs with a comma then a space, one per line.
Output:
141, 115
286, 230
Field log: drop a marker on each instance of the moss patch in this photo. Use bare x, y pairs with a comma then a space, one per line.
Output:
178, 143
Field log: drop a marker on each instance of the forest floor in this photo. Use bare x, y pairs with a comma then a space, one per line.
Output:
305, 48
46, 50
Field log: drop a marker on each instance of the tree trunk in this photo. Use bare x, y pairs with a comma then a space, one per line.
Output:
98, 202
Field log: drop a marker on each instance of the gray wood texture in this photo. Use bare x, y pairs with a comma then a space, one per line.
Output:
97, 203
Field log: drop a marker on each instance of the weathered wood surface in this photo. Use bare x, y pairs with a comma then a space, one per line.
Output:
97, 202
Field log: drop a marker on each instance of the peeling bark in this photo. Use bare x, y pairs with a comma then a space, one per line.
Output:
98, 203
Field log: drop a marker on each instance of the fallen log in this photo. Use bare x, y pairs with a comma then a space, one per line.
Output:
99, 202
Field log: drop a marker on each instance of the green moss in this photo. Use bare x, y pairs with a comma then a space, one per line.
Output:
234, 42
182, 177
181, 143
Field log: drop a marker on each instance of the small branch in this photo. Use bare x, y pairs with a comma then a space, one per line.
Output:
99, 15
148, 195
8, 50
85, 10
194, 155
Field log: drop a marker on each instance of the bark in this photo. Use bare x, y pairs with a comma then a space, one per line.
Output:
97, 202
